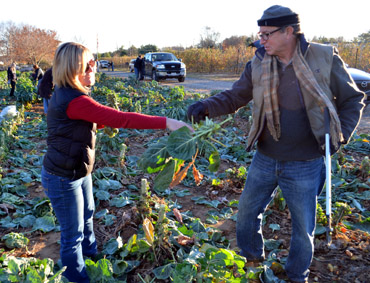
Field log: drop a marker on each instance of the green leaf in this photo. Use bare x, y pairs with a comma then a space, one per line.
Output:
274, 227
128, 246
320, 229
7, 222
164, 178
164, 272
113, 245
101, 213
120, 267
102, 195
197, 226
194, 256
181, 144
202, 200
272, 244
27, 221
120, 201
268, 276
107, 185
109, 219
214, 161
11, 199
155, 155
184, 230
102, 271
33, 276
184, 272
44, 224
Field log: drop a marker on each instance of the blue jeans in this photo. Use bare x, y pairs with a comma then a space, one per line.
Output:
301, 182
137, 73
46, 104
73, 204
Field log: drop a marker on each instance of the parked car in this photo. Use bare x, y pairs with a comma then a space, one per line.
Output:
362, 80
103, 64
131, 65
164, 65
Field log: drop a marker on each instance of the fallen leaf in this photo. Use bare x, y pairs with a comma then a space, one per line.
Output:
184, 240
350, 254
149, 230
198, 177
178, 215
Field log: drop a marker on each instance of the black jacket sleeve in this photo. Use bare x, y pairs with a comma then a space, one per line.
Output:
229, 101
45, 89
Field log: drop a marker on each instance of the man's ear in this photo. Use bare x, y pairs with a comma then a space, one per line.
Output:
290, 29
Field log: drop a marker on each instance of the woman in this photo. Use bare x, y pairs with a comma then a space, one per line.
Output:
12, 78
72, 121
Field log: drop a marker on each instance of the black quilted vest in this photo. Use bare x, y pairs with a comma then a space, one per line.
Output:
71, 143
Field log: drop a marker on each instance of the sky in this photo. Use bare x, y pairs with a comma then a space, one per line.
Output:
110, 24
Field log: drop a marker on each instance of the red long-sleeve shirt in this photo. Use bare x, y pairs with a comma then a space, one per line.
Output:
86, 108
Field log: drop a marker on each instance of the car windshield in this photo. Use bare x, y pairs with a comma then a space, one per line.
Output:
164, 57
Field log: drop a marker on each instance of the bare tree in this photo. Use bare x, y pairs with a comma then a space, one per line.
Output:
27, 44
6, 31
209, 39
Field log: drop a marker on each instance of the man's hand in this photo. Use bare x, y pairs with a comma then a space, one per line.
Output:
197, 112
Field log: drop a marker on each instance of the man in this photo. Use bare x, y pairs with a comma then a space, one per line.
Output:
291, 83
37, 75
137, 66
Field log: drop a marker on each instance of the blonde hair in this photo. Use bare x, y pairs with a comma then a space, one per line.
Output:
70, 61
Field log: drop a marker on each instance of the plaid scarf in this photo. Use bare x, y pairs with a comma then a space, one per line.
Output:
270, 81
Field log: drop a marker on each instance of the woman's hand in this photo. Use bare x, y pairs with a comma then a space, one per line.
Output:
174, 125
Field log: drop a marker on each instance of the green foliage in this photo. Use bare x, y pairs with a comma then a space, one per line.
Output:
15, 240
26, 91
29, 270
147, 48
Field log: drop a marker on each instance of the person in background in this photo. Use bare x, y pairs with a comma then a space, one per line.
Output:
46, 87
112, 65
292, 83
37, 74
72, 120
142, 69
137, 66
12, 78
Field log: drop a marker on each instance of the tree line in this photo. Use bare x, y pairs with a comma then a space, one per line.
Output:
27, 44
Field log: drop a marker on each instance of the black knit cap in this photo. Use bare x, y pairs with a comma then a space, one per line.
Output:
278, 16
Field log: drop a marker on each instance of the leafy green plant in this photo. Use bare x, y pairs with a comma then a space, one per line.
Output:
29, 270
26, 91
170, 153
15, 240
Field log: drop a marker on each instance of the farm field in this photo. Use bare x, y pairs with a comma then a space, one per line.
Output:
152, 228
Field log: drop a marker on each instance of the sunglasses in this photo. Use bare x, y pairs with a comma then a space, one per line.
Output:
90, 65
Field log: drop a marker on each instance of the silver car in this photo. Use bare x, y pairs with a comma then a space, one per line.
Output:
131, 65
103, 64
